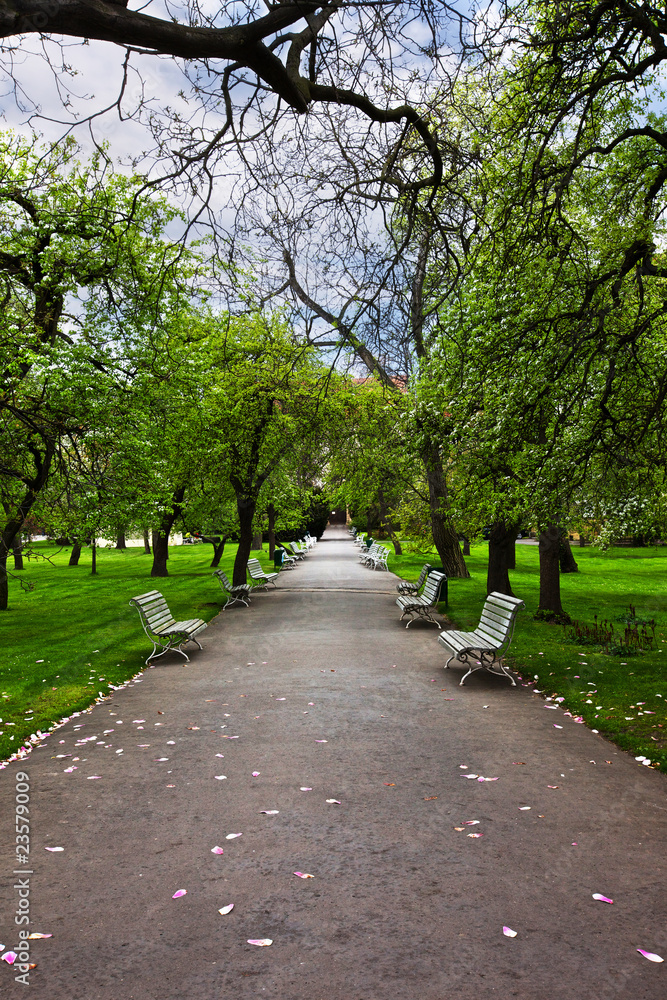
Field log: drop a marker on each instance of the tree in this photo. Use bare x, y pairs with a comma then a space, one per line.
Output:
77, 239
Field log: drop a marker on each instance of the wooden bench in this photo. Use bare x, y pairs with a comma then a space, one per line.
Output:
484, 647
236, 594
405, 587
421, 605
297, 553
160, 627
260, 578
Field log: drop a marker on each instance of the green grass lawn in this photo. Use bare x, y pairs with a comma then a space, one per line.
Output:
627, 694
74, 634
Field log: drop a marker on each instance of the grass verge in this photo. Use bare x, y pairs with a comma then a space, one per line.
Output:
622, 697
74, 635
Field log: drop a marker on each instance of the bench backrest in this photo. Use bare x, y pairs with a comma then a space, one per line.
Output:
498, 617
432, 586
255, 568
295, 548
426, 569
223, 578
153, 609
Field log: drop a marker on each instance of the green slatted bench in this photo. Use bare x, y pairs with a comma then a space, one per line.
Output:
235, 594
483, 648
405, 587
420, 606
161, 628
260, 579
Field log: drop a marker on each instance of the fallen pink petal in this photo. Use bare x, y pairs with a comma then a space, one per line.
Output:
302, 875
476, 835
179, 893
508, 932
54, 848
94, 777
470, 822
232, 836
305, 788
10, 957
321, 741
270, 812
255, 774
336, 802
556, 726
226, 909
652, 957
217, 850
260, 942
35, 936
602, 899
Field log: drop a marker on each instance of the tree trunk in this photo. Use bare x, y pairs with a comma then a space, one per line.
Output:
160, 554
246, 512
147, 543
511, 554
4, 582
271, 511
582, 541
17, 549
387, 523
256, 544
121, 541
93, 548
549, 545
566, 557
161, 536
466, 545
218, 548
75, 553
445, 538
501, 543
15, 523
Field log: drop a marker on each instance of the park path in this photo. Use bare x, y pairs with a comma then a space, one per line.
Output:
402, 904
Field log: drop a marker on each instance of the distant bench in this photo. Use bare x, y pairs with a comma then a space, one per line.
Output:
490, 640
161, 628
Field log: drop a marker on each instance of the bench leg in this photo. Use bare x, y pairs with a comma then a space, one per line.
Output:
486, 662
165, 649
424, 615
236, 598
